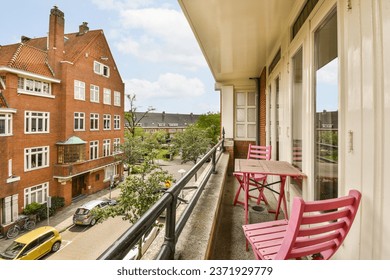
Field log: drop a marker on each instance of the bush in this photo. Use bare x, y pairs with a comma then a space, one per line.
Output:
32, 208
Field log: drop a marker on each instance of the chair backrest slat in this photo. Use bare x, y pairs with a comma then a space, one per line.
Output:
325, 217
259, 152
312, 231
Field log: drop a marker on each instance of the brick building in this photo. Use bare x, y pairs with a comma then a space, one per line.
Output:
61, 117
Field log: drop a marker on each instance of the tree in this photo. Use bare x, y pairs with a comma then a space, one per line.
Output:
211, 123
191, 144
131, 115
138, 193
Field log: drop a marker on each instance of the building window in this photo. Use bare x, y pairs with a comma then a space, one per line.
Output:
106, 122
106, 147
27, 85
94, 120
5, 124
101, 69
94, 94
9, 209
79, 121
245, 115
107, 96
79, 90
110, 171
36, 122
71, 153
117, 145
117, 98
36, 194
36, 158
94, 149
117, 122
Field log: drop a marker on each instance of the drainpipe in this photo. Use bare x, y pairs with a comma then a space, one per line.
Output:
257, 100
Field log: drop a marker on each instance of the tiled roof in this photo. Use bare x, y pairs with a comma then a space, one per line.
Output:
153, 119
31, 55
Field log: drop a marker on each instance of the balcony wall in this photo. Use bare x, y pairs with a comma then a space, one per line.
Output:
70, 170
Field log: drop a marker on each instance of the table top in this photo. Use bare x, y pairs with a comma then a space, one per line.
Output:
267, 167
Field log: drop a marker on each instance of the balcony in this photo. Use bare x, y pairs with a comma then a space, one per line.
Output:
209, 224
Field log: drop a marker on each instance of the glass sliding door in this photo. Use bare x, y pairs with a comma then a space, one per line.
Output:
326, 105
297, 108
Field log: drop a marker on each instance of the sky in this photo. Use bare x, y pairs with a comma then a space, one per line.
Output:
152, 43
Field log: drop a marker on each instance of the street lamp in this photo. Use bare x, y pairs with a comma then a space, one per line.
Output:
111, 183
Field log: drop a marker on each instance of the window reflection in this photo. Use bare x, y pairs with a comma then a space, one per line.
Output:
326, 117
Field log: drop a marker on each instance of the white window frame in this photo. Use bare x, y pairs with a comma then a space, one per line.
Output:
94, 121
116, 145
33, 153
93, 149
10, 209
106, 122
101, 69
37, 193
107, 96
117, 122
106, 147
6, 118
33, 86
94, 92
117, 98
31, 117
245, 108
111, 170
79, 121
79, 90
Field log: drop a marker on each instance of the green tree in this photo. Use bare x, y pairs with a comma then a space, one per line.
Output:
138, 193
211, 123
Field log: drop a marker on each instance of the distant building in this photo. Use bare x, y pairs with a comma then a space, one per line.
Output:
170, 123
61, 117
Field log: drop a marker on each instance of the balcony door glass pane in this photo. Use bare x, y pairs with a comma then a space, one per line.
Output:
326, 117
297, 110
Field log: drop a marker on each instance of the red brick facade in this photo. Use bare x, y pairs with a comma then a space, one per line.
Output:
83, 57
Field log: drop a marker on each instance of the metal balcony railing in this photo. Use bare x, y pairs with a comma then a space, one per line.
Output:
167, 202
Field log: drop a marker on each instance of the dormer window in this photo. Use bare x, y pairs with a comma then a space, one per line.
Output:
101, 69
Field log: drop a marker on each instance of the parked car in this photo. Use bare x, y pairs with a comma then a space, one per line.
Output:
83, 214
33, 245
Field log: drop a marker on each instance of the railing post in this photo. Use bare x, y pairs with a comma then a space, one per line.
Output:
214, 170
167, 251
223, 140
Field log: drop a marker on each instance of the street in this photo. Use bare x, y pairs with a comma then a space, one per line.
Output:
86, 242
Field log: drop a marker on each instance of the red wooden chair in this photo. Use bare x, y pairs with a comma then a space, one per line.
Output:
315, 230
254, 152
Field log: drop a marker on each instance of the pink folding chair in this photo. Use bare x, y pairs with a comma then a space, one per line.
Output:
257, 180
315, 230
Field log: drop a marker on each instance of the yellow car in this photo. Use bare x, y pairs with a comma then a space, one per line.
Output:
33, 245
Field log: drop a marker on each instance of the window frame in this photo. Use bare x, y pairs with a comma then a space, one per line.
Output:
246, 108
79, 90
35, 190
107, 96
94, 92
117, 122
106, 120
7, 118
94, 119
106, 147
30, 116
101, 69
94, 149
117, 98
29, 153
80, 120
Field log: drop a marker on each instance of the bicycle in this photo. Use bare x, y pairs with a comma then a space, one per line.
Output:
22, 223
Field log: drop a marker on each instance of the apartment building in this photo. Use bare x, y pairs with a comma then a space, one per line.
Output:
61, 117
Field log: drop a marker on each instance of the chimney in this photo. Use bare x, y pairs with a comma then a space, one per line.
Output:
163, 116
83, 28
24, 39
56, 39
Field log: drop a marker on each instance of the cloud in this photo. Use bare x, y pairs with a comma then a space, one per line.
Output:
167, 86
328, 74
158, 34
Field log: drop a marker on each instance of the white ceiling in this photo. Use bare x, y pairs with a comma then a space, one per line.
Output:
236, 36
